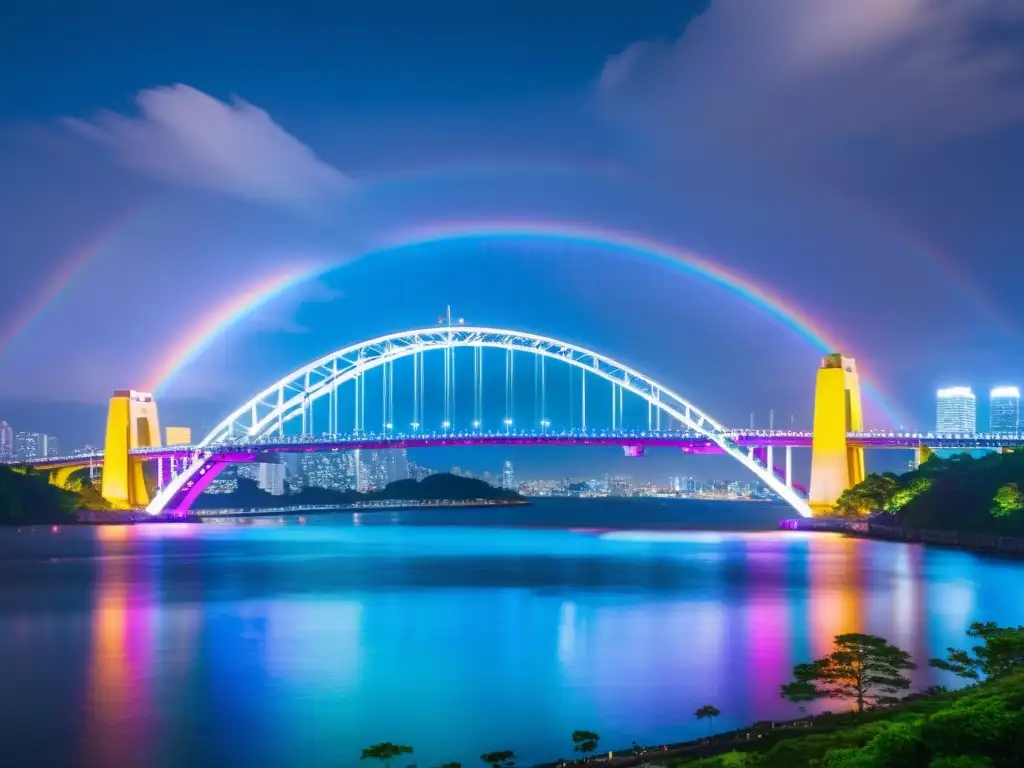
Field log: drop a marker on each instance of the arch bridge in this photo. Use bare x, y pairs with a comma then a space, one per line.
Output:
308, 401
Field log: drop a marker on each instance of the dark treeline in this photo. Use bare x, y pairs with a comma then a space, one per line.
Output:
30, 499
961, 493
440, 487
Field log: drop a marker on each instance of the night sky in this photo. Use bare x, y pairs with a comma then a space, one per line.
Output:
862, 163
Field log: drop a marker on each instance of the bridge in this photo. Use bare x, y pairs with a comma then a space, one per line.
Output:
303, 412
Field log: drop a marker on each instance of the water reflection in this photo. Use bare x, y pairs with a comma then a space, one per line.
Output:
121, 652
292, 644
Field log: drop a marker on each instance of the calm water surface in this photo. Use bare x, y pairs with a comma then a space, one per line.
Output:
458, 631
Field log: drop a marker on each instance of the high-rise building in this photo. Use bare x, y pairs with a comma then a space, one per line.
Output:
6, 441
35, 445
272, 478
1004, 410
955, 410
508, 477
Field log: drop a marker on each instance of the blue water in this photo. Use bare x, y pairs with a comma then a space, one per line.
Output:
456, 631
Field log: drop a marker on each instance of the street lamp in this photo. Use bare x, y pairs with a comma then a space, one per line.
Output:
445, 425
544, 424
415, 425
476, 424
508, 425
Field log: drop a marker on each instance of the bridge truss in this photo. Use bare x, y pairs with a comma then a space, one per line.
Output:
291, 399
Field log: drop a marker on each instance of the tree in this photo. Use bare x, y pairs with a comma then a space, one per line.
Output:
1007, 501
385, 752
869, 495
1001, 651
904, 496
450, 765
709, 713
504, 759
585, 741
862, 668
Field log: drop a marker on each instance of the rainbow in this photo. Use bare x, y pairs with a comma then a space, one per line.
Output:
199, 336
783, 310
60, 280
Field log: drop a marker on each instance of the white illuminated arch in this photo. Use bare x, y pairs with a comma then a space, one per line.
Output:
292, 396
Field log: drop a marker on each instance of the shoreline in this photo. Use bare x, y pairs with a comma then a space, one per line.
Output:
1007, 546
99, 517
367, 506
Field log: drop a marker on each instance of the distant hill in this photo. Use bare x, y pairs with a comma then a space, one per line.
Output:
440, 487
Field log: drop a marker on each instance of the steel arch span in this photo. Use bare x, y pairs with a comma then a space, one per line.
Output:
292, 396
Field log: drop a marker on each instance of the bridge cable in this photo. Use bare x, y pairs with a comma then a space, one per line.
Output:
583, 409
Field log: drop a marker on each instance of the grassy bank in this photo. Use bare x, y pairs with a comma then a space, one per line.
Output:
977, 727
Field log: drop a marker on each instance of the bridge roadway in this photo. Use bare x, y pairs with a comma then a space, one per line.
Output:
687, 442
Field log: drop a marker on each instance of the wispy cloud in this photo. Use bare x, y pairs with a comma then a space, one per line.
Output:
282, 316
792, 71
187, 137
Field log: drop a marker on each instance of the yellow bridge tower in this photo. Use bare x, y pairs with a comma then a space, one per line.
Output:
131, 423
835, 464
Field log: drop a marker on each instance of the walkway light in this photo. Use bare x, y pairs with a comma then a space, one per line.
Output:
445, 424
476, 424
415, 425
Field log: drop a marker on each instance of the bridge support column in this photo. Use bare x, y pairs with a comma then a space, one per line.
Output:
633, 451
835, 465
789, 466
131, 423
921, 454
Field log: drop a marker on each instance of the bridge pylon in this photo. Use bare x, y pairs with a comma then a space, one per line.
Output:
131, 423
835, 464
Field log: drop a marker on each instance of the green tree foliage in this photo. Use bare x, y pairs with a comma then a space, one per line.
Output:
863, 668
506, 758
1001, 652
29, 498
1007, 501
585, 741
868, 496
904, 496
385, 752
960, 494
709, 713
978, 727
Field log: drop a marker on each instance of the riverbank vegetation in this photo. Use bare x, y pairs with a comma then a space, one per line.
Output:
981, 726
888, 726
439, 487
961, 493
28, 498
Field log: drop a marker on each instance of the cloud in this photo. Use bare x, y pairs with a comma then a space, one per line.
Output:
790, 72
184, 136
280, 316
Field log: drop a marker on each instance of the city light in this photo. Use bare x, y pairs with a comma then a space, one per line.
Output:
476, 424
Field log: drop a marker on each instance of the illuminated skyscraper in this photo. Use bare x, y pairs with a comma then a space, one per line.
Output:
1004, 410
508, 477
955, 410
6, 441
272, 478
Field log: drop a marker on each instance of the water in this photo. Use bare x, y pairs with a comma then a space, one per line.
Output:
455, 631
